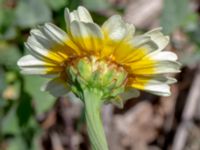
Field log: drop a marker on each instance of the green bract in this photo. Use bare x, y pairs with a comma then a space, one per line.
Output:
91, 73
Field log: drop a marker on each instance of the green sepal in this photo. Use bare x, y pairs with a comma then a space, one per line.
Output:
107, 78
118, 101
117, 91
88, 72
120, 78
85, 69
95, 80
129, 93
72, 73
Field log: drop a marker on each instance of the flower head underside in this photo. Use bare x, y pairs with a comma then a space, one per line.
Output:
99, 56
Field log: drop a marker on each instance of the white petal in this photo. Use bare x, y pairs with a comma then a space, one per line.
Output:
45, 44
29, 61
150, 46
50, 39
49, 35
142, 43
57, 87
37, 51
80, 29
160, 67
84, 14
158, 89
87, 36
116, 28
34, 71
139, 44
140, 40
131, 28
67, 19
155, 79
164, 56
54, 33
81, 14
37, 32
158, 37
31, 65
156, 84
158, 79
167, 67
38, 37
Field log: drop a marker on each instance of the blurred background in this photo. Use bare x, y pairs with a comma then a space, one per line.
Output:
34, 120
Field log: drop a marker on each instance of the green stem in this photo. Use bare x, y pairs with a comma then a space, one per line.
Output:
93, 103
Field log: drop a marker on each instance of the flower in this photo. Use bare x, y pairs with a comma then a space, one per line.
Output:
98, 63
110, 56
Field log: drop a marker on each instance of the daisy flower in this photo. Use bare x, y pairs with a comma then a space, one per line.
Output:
98, 63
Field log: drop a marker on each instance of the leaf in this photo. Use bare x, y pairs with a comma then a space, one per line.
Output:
192, 27
7, 30
6, 18
190, 59
2, 80
36, 143
73, 4
96, 4
32, 12
57, 4
17, 143
98, 18
27, 139
174, 14
11, 52
24, 109
43, 101
10, 122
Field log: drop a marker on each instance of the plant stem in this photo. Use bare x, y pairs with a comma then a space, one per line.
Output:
93, 103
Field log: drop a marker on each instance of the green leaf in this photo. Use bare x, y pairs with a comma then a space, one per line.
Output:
17, 143
32, 12
57, 4
96, 4
73, 4
98, 18
7, 30
2, 88
190, 59
36, 143
192, 27
27, 138
174, 14
2, 80
6, 17
24, 109
10, 122
43, 101
11, 52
